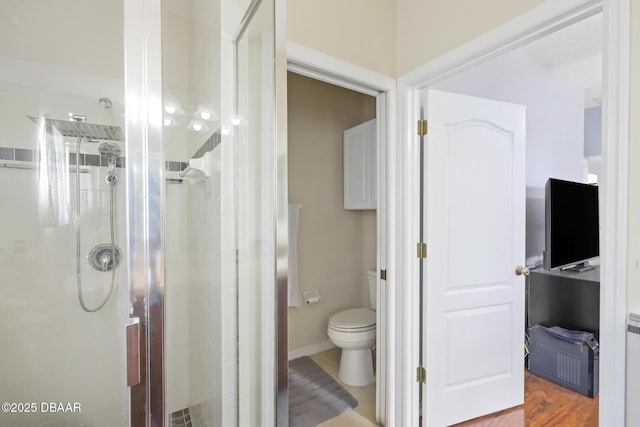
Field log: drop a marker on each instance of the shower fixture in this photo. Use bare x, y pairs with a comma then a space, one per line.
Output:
76, 128
101, 257
105, 256
111, 152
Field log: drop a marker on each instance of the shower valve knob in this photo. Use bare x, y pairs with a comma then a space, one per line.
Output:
102, 258
112, 180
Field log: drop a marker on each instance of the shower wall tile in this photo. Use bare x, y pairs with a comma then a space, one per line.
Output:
178, 280
6, 153
92, 160
172, 166
227, 161
72, 159
39, 279
24, 155
31, 155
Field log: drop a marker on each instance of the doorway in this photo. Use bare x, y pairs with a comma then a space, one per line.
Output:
479, 52
554, 107
305, 62
335, 246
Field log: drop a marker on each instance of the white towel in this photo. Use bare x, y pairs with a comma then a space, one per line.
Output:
53, 178
294, 287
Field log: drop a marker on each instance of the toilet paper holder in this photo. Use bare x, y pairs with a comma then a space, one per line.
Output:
312, 296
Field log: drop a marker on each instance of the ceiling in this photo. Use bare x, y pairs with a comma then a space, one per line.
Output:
576, 53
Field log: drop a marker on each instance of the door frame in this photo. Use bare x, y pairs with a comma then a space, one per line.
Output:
319, 66
540, 21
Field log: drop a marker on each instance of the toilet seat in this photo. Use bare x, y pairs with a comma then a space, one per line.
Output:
353, 320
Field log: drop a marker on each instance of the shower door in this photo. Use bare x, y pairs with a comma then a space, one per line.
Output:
63, 299
260, 166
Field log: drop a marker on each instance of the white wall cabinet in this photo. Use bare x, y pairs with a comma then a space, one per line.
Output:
360, 176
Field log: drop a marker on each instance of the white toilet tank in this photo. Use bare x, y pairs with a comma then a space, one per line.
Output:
372, 279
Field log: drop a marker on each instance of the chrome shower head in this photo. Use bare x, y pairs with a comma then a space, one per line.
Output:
90, 131
109, 150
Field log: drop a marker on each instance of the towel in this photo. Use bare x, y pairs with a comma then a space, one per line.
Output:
294, 287
53, 178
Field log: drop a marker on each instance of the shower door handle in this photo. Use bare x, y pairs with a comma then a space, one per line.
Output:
133, 351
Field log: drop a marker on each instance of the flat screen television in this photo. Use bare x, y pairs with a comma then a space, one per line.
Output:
571, 225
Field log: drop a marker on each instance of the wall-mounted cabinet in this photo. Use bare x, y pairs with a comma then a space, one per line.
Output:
360, 166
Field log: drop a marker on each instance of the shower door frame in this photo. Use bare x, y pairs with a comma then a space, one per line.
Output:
145, 208
145, 194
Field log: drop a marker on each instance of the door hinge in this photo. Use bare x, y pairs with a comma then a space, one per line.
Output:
422, 127
422, 375
383, 274
422, 250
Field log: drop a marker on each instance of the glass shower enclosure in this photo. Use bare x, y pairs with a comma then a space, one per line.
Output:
138, 215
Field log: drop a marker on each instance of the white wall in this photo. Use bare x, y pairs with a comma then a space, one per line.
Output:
82, 35
555, 124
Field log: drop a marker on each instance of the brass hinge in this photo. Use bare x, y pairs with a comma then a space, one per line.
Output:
422, 375
383, 274
422, 127
422, 250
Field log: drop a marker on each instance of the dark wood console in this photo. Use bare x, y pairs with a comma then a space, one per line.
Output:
564, 298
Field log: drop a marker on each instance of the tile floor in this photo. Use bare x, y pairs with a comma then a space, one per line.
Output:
363, 415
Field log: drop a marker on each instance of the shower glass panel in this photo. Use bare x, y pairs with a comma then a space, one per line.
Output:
63, 288
255, 162
200, 297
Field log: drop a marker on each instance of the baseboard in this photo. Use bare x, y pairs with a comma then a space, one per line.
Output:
312, 349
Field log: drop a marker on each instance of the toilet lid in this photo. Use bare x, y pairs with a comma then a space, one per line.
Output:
355, 318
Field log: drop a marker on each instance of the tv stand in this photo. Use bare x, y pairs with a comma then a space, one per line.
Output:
564, 298
579, 268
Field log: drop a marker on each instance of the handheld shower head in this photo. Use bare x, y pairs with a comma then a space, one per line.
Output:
109, 150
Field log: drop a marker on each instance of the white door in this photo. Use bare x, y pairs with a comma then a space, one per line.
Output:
474, 228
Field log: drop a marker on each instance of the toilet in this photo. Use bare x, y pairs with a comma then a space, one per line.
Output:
354, 331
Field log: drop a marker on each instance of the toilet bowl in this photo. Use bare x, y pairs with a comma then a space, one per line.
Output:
354, 331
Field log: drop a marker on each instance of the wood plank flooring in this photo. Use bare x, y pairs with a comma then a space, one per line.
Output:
545, 404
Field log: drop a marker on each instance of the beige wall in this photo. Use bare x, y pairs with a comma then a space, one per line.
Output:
633, 281
428, 29
395, 37
335, 246
358, 31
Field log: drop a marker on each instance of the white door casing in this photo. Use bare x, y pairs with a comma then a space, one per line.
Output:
474, 218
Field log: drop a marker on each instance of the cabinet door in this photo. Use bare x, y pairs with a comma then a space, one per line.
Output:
360, 166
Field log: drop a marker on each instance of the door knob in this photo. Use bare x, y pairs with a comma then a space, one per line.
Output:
521, 271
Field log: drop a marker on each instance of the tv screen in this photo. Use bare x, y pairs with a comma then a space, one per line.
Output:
571, 224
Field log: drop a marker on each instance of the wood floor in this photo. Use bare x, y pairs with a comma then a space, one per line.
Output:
545, 404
